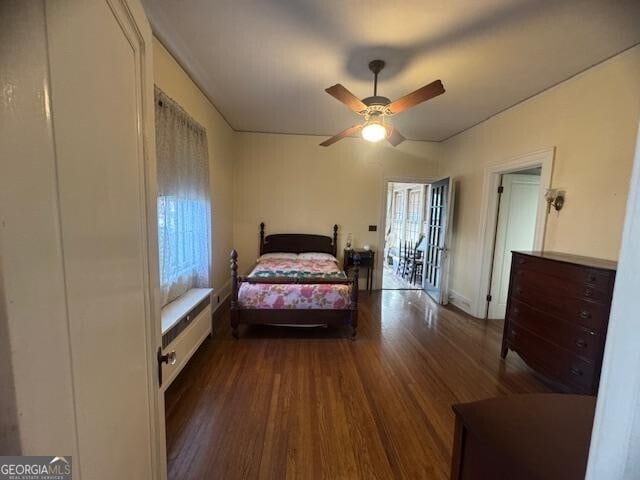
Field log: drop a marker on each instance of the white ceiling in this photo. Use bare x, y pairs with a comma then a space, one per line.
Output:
265, 63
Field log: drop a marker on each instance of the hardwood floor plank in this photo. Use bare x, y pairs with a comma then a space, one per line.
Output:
311, 404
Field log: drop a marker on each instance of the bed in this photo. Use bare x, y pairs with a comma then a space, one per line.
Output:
296, 281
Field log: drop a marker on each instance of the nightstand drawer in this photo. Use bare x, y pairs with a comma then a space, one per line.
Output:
365, 258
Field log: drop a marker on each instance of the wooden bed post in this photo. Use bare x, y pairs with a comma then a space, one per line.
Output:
335, 240
261, 237
354, 297
234, 293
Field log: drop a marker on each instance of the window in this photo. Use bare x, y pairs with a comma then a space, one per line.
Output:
413, 216
398, 216
181, 224
183, 201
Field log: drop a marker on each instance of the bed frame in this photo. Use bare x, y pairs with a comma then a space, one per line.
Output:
294, 243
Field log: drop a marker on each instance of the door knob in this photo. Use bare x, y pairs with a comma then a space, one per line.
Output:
169, 358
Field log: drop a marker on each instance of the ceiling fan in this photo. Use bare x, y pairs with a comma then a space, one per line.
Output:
376, 109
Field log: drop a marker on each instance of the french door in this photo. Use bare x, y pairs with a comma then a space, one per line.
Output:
436, 266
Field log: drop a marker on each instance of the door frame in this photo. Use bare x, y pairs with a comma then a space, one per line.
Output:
489, 208
382, 223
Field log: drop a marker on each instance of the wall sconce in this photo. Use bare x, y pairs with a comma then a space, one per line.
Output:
554, 197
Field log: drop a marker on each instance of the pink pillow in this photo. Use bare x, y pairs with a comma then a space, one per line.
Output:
317, 256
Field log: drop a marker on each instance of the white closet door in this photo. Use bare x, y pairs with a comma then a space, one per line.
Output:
516, 231
101, 90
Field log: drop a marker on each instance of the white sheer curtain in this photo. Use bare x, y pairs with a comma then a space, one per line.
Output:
183, 200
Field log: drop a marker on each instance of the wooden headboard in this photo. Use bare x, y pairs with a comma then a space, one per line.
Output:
298, 242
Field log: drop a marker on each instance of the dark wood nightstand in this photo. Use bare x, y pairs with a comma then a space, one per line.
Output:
367, 261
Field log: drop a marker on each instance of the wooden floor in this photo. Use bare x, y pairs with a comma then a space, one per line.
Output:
305, 404
391, 281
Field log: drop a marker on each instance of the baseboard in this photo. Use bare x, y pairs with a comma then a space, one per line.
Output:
220, 295
218, 313
460, 301
221, 299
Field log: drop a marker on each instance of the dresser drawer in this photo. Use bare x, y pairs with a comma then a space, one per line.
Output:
581, 276
582, 341
579, 311
553, 361
549, 285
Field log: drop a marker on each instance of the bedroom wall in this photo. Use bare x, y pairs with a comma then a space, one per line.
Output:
173, 80
294, 185
592, 121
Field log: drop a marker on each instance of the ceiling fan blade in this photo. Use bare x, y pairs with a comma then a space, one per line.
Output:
347, 132
421, 95
345, 96
394, 137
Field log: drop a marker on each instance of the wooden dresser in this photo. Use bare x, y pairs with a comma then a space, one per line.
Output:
557, 316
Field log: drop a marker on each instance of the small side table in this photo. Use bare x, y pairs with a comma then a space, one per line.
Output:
367, 260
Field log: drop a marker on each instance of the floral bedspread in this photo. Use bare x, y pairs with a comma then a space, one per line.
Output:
299, 296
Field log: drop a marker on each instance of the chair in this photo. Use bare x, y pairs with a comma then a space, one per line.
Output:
409, 258
417, 266
417, 261
402, 258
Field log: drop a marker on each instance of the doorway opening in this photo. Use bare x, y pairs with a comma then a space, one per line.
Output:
517, 212
404, 240
489, 216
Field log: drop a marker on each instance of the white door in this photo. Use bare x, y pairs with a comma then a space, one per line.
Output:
518, 209
438, 238
97, 99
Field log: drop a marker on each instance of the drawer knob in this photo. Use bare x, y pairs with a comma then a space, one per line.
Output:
584, 314
581, 343
576, 371
591, 278
516, 309
514, 333
588, 292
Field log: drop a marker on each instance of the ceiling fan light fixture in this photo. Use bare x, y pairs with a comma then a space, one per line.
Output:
374, 109
373, 131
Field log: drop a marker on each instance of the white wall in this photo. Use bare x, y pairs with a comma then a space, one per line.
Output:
294, 185
591, 120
